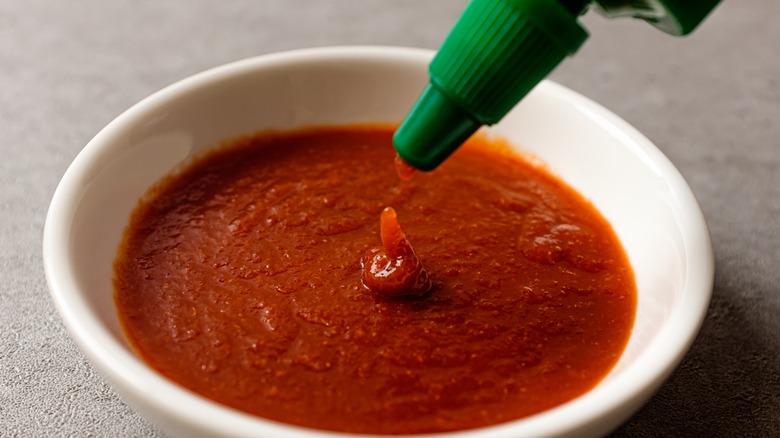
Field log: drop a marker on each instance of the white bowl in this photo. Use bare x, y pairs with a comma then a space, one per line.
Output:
629, 180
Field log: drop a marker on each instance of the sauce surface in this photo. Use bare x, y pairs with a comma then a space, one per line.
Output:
240, 278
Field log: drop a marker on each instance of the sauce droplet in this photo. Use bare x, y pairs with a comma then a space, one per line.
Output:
404, 170
394, 270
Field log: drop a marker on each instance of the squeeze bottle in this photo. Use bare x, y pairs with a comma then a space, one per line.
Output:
498, 51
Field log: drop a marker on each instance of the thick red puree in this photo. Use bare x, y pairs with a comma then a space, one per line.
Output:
394, 270
240, 278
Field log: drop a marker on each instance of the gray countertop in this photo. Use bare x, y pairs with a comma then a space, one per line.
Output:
711, 102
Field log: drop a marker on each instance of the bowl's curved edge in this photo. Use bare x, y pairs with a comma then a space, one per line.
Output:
87, 333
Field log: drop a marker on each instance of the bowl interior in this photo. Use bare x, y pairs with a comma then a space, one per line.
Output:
626, 177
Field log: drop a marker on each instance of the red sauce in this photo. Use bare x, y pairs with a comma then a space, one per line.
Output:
404, 170
394, 270
240, 278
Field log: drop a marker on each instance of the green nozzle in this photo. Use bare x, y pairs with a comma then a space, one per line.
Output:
496, 53
434, 128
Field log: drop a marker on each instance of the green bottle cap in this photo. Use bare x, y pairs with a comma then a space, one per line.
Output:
496, 53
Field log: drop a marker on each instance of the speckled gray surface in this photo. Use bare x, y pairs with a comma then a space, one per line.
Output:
711, 102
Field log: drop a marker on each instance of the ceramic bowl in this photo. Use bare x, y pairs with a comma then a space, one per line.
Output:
628, 179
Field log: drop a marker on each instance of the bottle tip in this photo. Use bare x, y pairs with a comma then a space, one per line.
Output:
434, 128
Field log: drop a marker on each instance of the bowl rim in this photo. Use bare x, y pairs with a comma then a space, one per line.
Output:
631, 388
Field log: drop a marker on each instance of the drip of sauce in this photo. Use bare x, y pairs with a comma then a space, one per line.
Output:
404, 170
394, 270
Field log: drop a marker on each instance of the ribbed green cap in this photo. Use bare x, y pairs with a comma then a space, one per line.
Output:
496, 53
